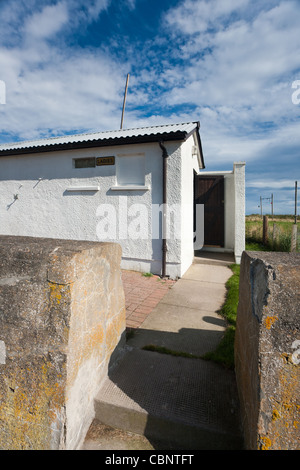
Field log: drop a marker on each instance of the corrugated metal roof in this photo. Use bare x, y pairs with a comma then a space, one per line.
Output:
168, 132
175, 130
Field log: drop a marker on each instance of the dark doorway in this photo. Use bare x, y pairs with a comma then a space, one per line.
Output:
209, 190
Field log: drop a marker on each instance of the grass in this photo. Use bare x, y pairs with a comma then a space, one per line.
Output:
163, 350
282, 242
224, 353
255, 246
130, 332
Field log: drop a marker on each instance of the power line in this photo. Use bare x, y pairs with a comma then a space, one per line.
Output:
271, 199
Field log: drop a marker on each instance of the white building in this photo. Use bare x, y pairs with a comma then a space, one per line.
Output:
120, 186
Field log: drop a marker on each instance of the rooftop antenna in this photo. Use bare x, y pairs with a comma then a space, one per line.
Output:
124, 101
296, 190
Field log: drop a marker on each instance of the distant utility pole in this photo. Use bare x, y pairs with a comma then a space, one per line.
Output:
296, 191
261, 209
261, 204
272, 204
124, 101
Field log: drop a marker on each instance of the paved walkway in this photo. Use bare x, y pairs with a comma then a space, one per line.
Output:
165, 401
186, 318
142, 294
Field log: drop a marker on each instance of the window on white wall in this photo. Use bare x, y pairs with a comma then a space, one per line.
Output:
131, 170
88, 162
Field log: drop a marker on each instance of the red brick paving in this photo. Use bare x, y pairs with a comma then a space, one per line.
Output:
142, 294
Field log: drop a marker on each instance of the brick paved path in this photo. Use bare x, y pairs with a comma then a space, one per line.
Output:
142, 294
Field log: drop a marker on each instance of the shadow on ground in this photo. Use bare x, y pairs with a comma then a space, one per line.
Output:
174, 402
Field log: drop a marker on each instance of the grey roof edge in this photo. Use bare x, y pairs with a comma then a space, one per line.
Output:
99, 139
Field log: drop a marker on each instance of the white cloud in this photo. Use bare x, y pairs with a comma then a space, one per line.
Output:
192, 16
64, 93
244, 61
131, 4
272, 184
237, 71
249, 50
52, 89
95, 7
82, 10
47, 22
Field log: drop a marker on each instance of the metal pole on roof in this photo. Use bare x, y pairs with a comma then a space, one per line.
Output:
296, 190
124, 101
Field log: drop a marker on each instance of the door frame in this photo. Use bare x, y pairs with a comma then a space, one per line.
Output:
212, 211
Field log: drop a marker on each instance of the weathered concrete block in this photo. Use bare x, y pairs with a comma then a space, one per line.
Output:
62, 320
267, 350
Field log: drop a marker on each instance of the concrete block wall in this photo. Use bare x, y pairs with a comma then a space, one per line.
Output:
62, 323
267, 350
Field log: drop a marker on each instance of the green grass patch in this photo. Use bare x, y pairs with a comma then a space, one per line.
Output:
229, 309
279, 242
224, 354
130, 332
255, 246
147, 274
171, 352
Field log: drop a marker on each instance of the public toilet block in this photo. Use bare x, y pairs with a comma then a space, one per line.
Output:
137, 187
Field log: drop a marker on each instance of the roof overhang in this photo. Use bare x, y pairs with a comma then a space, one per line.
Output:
100, 140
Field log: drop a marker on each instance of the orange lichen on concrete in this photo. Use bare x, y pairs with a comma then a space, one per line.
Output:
56, 292
284, 427
270, 320
33, 401
265, 443
275, 415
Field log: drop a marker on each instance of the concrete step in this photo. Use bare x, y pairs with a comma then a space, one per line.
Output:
183, 402
213, 258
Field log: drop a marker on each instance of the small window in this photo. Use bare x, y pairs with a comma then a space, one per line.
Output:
85, 162
131, 170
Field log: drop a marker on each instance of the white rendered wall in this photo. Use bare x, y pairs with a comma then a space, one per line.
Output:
239, 185
173, 203
229, 211
189, 164
39, 198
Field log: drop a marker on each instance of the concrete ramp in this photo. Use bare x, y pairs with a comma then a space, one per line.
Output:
174, 400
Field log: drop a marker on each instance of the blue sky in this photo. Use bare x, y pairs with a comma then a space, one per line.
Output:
230, 64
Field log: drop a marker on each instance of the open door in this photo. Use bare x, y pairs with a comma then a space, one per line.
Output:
209, 190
